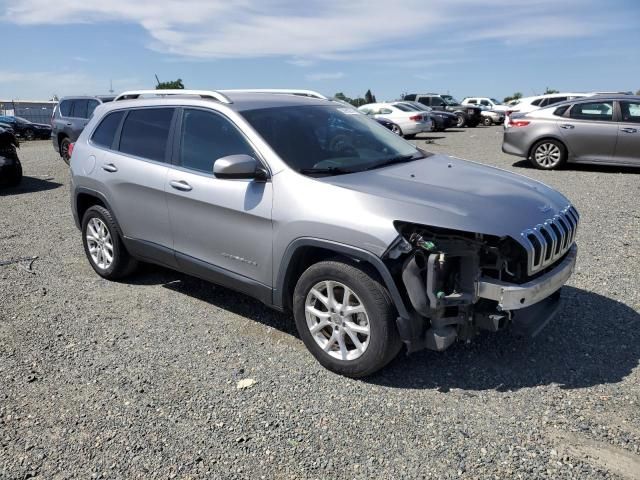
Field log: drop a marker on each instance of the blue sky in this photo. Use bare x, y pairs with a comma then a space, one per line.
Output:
465, 47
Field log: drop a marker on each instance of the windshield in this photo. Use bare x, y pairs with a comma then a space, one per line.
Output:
497, 102
328, 139
449, 100
22, 120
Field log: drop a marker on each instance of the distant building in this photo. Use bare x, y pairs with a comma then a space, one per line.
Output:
34, 111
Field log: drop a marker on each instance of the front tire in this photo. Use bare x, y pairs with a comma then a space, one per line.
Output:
548, 154
487, 122
346, 318
396, 129
28, 134
462, 121
103, 246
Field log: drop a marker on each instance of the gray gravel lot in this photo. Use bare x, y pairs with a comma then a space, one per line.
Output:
138, 379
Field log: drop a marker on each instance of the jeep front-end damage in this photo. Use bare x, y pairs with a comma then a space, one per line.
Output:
460, 283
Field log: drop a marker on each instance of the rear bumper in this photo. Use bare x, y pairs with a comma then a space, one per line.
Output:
513, 143
512, 296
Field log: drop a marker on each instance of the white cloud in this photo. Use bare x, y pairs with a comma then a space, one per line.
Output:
329, 29
319, 76
44, 84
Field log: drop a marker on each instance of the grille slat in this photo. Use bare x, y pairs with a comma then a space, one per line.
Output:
547, 242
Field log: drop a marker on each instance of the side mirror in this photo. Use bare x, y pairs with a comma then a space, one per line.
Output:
239, 167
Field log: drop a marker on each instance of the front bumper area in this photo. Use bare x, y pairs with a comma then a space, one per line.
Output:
512, 296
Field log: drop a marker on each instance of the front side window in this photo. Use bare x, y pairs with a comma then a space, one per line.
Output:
436, 102
630, 112
106, 131
328, 139
145, 133
485, 103
206, 137
599, 111
538, 102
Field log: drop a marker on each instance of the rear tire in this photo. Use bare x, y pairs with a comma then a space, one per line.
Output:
410, 137
28, 134
487, 122
548, 154
64, 149
335, 345
16, 176
103, 246
462, 121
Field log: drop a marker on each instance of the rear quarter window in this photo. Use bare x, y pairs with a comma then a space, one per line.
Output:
106, 131
65, 108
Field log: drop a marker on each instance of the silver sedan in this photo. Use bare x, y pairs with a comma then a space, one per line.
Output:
599, 129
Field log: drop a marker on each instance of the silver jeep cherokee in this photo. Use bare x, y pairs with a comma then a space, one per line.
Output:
311, 207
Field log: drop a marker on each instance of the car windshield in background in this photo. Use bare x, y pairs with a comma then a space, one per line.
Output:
328, 139
497, 102
449, 100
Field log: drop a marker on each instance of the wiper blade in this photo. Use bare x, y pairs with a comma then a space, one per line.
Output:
394, 160
327, 170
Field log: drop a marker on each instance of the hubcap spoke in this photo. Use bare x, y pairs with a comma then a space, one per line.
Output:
99, 243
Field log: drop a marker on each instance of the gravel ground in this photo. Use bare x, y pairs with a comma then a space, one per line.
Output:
139, 379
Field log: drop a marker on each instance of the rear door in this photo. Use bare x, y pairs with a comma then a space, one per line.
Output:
590, 132
220, 226
133, 171
628, 146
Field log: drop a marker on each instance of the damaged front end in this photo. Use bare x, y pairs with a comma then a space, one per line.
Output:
460, 283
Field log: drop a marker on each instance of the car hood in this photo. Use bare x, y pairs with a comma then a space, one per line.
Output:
457, 194
39, 125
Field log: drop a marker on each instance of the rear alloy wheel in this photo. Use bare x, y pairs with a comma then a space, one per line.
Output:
396, 129
548, 154
64, 150
346, 318
28, 134
103, 246
461, 122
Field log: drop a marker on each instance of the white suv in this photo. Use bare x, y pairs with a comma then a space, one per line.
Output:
490, 103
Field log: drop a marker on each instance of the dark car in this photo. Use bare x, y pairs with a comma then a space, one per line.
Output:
69, 118
467, 115
10, 168
441, 120
389, 125
26, 129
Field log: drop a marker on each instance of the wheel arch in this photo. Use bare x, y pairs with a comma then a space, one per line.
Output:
304, 252
547, 137
84, 199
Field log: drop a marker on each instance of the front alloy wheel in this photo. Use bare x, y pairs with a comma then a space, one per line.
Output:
345, 317
337, 320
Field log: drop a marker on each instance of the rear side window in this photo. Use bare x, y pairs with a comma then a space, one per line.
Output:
79, 109
65, 108
553, 100
91, 106
410, 98
106, 131
472, 101
600, 111
145, 133
207, 136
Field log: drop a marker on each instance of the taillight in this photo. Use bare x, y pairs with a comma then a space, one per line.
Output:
518, 123
71, 145
416, 118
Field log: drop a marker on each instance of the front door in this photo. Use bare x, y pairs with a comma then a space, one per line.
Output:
223, 225
628, 146
590, 132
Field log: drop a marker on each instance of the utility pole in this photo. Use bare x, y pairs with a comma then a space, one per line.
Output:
157, 79
111, 86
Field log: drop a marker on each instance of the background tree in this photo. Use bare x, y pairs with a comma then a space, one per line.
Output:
369, 97
551, 90
356, 102
638, 92
173, 85
515, 96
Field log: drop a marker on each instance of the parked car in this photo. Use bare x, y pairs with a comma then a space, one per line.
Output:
492, 117
468, 115
26, 129
371, 242
410, 122
10, 167
486, 102
440, 120
600, 129
529, 104
389, 125
69, 118
7, 126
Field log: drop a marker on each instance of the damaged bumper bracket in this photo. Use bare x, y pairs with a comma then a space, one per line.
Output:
511, 296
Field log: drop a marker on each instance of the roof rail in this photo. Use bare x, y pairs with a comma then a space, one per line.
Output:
282, 91
212, 94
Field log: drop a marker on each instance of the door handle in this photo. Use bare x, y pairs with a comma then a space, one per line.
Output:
109, 167
69, 124
629, 130
180, 185
567, 126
